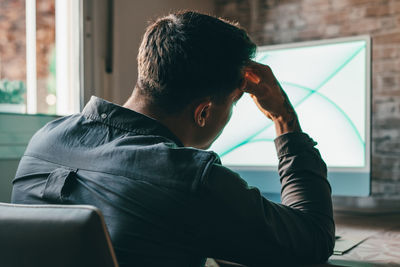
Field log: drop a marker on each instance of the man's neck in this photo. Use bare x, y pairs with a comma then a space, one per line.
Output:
139, 103
176, 124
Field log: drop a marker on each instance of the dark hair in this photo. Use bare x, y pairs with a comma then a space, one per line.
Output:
187, 56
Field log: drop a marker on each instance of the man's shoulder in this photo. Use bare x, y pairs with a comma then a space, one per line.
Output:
220, 176
78, 143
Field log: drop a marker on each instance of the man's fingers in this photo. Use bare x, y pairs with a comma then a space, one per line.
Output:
252, 77
260, 80
251, 84
260, 70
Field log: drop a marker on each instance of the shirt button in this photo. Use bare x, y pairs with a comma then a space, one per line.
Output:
103, 115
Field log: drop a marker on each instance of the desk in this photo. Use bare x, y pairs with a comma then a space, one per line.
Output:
381, 248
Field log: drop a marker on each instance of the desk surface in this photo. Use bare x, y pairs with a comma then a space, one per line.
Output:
381, 248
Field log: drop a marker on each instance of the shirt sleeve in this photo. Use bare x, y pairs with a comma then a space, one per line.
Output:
242, 226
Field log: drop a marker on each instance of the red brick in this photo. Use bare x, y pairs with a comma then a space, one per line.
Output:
385, 52
365, 26
315, 5
377, 11
360, 2
387, 38
394, 7
386, 82
355, 13
309, 34
388, 23
391, 65
335, 17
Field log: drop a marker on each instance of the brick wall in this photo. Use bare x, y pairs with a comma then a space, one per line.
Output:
12, 40
285, 21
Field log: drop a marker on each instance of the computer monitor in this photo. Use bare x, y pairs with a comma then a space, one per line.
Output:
328, 83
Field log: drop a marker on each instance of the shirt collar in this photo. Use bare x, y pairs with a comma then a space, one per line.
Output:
126, 119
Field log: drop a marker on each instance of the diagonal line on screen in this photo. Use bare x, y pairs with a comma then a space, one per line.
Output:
337, 107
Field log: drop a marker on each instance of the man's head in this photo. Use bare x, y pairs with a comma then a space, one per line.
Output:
191, 60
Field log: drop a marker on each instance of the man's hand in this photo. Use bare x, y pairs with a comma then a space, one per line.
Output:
270, 98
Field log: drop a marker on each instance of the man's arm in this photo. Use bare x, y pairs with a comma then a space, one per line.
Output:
270, 98
250, 229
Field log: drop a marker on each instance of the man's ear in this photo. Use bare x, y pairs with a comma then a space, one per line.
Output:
202, 112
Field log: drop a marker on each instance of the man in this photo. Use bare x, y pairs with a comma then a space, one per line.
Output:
166, 201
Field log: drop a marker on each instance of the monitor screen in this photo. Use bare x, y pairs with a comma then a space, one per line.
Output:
328, 83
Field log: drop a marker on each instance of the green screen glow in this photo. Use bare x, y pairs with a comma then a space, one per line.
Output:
326, 84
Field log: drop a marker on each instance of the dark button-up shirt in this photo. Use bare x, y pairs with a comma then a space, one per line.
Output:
169, 205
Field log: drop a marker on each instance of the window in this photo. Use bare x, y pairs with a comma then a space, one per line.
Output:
40, 68
40, 56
